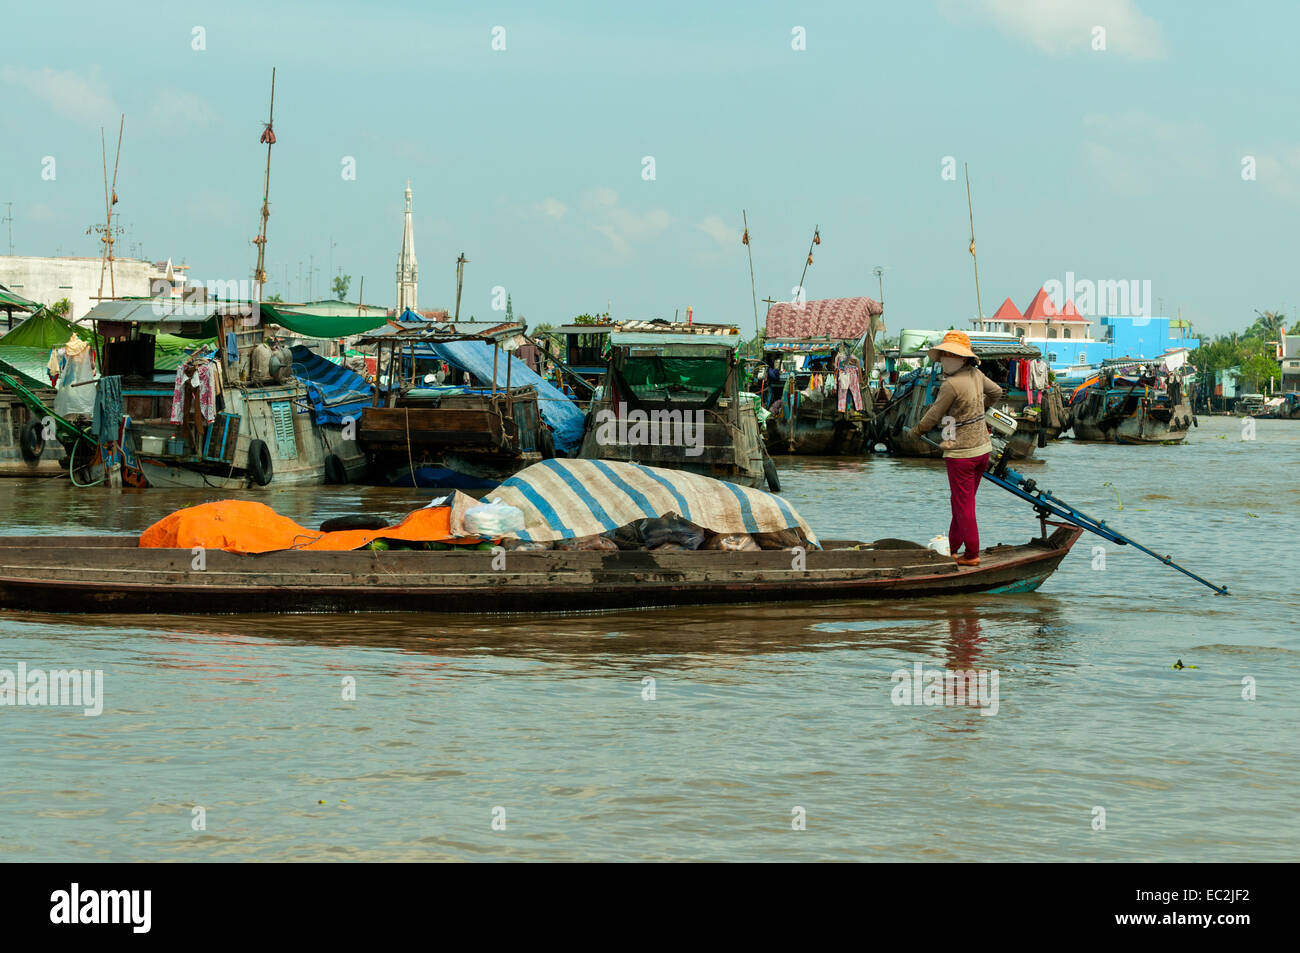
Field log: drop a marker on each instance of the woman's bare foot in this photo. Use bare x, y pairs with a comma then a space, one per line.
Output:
966, 560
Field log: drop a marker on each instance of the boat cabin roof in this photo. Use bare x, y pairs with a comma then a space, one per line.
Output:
708, 345
165, 315
816, 345
434, 332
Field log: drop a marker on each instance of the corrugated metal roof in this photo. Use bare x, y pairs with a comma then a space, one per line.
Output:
154, 310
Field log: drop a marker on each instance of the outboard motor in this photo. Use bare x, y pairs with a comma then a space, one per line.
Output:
1003, 426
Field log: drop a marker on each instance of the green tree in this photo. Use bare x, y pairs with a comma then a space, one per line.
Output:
1259, 366
341, 282
60, 308
274, 298
1268, 326
510, 310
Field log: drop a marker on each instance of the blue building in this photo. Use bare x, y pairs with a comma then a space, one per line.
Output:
1135, 337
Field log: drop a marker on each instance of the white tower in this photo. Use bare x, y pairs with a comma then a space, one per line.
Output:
407, 270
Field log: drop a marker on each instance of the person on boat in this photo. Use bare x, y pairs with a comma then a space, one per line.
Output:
966, 446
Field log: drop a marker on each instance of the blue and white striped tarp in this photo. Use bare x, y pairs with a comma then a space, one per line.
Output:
569, 499
336, 393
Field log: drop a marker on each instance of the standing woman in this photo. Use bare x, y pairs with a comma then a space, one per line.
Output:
966, 445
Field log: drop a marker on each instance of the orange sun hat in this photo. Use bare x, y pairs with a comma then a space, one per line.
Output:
956, 343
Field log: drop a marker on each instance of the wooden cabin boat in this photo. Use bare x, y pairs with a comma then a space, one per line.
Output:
1282, 407
1039, 416
298, 570
803, 398
261, 429
1131, 402
817, 387
671, 397
582, 357
489, 417
26, 390
24, 451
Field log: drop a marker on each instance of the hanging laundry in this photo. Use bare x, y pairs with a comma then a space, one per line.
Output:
206, 382
106, 419
849, 383
178, 394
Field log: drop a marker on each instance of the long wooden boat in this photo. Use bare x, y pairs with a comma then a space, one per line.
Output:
111, 574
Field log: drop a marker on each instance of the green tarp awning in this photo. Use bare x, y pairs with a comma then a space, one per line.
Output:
28, 364
11, 300
170, 351
328, 327
44, 330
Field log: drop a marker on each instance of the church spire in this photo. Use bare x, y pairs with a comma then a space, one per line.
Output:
407, 270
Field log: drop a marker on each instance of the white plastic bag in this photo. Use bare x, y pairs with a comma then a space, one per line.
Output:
494, 519
940, 545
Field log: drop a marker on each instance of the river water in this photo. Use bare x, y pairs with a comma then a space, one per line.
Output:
490, 738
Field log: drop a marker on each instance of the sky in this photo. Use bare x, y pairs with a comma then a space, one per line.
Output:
1171, 155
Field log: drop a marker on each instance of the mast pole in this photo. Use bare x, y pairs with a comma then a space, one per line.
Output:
816, 240
971, 209
753, 290
268, 136
461, 262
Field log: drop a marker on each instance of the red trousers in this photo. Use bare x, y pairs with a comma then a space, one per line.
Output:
964, 477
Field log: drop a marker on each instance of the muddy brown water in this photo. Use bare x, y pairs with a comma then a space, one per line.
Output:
705, 733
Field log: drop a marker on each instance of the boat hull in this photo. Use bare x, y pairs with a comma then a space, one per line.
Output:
1141, 427
816, 437
112, 575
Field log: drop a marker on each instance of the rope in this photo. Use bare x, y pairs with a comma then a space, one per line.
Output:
410, 462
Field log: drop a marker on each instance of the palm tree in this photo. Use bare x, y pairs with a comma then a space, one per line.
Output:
1268, 325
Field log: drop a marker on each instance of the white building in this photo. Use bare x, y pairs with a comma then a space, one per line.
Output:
407, 269
47, 280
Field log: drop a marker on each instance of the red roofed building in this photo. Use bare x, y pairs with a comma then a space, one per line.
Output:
1041, 308
1041, 321
1007, 311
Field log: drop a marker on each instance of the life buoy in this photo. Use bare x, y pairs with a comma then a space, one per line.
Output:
260, 466
773, 478
336, 473
32, 441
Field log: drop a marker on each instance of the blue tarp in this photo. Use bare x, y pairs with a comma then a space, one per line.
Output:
335, 392
564, 416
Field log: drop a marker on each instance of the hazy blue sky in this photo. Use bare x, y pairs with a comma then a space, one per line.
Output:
1117, 164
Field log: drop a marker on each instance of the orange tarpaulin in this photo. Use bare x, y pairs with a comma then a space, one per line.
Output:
242, 526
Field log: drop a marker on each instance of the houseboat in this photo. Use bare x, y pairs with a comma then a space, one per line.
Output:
671, 397
243, 418
818, 357
1132, 402
25, 388
456, 409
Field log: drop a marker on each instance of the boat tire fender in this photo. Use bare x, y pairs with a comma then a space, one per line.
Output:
773, 478
336, 474
32, 441
260, 466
